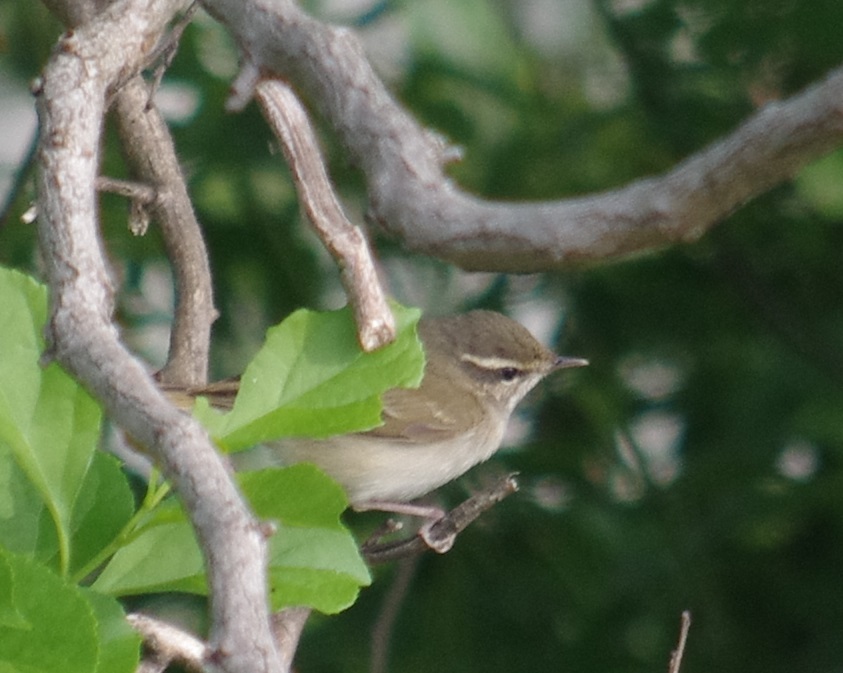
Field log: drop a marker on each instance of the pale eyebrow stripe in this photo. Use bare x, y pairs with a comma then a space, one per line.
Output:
491, 363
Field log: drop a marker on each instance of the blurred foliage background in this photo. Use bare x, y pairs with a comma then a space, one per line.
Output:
696, 464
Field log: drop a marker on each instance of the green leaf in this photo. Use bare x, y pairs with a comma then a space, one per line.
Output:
164, 556
61, 632
25, 523
10, 616
312, 379
313, 558
104, 505
55, 484
119, 643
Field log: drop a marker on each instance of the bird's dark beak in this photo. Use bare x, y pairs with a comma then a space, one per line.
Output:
565, 362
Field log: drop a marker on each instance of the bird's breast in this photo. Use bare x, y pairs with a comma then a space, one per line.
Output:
382, 468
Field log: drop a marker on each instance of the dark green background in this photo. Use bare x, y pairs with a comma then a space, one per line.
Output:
744, 325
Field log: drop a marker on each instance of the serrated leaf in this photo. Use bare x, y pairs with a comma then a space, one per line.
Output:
313, 558
48, 423
119, 650
104, 505
141, 567
10, 616
61, 633
49, 432
312, 379
25, 523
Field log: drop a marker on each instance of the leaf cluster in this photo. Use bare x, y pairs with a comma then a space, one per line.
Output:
72, 538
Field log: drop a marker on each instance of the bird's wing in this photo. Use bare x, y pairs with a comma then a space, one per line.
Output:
401, 416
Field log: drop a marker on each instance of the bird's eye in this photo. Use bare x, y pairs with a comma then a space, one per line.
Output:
509, 373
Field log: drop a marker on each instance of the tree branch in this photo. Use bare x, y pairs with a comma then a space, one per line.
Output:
72, 94
168, 644
150, 153
446, 528
287, 625
346, 243
413, 200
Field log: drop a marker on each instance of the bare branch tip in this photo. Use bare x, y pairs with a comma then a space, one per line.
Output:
267, 528
47, 357
243, 87
168, 643
30, 214
386, 528
447, 152
36, 86
139, 219
376, 334
678, 653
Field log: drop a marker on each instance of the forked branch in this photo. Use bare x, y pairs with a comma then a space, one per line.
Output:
411, 198
82, 73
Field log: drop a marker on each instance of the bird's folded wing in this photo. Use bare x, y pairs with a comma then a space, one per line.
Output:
415, 416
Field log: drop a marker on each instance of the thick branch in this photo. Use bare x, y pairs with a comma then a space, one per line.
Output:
411, 197
71, 104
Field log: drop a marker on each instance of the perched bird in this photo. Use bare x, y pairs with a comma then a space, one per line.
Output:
479, 366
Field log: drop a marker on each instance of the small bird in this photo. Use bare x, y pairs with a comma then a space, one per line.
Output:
479, 366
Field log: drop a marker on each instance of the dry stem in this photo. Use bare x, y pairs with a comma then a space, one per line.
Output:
345, 242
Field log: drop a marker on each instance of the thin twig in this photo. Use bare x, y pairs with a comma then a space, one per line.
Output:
391, 608
287, 627
168, 643
141, 196
151, 156
676, 655
131, 190
345, 242
167, 50
453, 523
